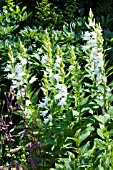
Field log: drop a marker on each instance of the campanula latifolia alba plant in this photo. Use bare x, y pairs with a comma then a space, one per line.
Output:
70, 125
53, 81
95, 57
22, 80
91, 107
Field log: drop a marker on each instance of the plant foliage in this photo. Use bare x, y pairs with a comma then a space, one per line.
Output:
57, 111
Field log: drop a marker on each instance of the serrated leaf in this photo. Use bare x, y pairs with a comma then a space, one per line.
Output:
85, 148
100, 133
100, 144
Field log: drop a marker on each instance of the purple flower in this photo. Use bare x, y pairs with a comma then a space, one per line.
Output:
30, 147
32, 160
1, 167
39, 144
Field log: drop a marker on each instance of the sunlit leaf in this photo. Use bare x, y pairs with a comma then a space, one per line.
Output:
100, 133
100, 144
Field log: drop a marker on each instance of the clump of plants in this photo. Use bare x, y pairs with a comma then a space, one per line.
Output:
66, 123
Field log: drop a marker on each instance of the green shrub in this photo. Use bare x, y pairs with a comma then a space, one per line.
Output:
46, 15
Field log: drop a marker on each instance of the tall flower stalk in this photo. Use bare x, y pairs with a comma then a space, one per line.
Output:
21, 82
47, 62
76, 76
54, 89
95, 57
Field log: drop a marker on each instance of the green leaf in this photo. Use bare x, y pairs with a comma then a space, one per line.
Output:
100, 102
58, 167
24, 17
109, 69
74, 139
110, 99
111, 133
69, 116
2, 85
83, 136
85, 148
75, 113
84, 101
109, 74
67, 165
85, 109
19, 113
100, 144
23, 9
103, 119
19, 127
49, 142
85, 133
111, 84
100, 167
110, 111
34, 97
100, 133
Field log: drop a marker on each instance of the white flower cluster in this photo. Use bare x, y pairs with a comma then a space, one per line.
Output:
60, 87
44, 103
62, 94
94, 51
17, 74
58, 62
49, 71
53, 78
44, 59
48, 119
19, 79
44, 113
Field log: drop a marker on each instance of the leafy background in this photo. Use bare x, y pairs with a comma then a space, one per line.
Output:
80, 134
